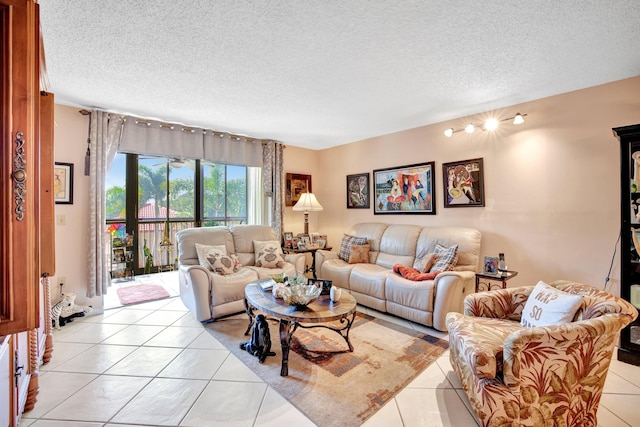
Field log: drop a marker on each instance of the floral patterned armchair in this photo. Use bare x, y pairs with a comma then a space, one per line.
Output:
542, 376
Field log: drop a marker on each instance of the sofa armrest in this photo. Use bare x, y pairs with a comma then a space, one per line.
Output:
323, 256
195, 290
450, 288
298, 260
500, 303
546, 354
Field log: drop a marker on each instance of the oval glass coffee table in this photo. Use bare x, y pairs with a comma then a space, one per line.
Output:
322, 310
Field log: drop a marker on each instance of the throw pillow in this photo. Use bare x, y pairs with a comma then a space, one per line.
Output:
424, 264
223, 264
345, 246
204, 251
446, 258
268, 254
413, 274
359, 254
547, 305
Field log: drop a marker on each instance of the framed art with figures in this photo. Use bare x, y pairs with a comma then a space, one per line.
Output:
405, 190
358, 194
463, 183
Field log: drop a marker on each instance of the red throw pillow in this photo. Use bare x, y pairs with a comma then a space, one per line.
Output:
412, 274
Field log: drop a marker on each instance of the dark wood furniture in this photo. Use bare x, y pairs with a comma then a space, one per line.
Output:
308, 269
629, 138
320, 312
494, 281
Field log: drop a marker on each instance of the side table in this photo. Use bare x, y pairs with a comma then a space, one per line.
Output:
311, 269
494, 281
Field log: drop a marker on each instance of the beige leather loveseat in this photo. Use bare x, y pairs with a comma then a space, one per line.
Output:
210, 295
375, 285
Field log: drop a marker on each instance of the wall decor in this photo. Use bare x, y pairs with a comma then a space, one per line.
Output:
63, 183
463, 183
405, 190
358, 193
295, 185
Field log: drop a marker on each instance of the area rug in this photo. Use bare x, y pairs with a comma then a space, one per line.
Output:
329, 384
136, 294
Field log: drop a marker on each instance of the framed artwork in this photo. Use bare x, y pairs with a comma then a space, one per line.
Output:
295, 185
463, 183
288, 236
358, 193
63, 183
490, 265
405, 190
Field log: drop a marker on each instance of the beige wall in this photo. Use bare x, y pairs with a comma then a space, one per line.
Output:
70, 134
551, 184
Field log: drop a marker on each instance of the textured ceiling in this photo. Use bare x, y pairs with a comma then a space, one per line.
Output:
317, 74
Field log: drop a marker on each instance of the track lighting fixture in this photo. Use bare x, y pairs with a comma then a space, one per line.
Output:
488, 125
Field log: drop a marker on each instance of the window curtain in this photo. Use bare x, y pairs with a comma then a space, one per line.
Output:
232, 149
105, 134
257, 208
273, 182
154, 138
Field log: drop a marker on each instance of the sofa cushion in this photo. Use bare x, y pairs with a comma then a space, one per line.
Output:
223, 264
268, 254
446, 258
345, 246
424, 264
359, 254
206, 251
547, 306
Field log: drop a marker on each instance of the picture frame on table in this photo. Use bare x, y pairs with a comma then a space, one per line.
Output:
358, 192
295, 185
463, 183
302, 245
321, 243
490, 265
288, 236
405, 190
63, 183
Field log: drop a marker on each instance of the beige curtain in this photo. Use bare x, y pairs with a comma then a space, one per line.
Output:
105, 134
273, 182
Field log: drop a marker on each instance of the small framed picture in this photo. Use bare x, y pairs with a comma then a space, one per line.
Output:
326, 287
304, 238
321, 243
63, 183
490, 265
288, 236
358, 194
302, 245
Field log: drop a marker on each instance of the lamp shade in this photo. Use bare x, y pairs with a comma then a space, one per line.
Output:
307, 203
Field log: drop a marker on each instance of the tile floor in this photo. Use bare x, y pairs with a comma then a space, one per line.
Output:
154, 364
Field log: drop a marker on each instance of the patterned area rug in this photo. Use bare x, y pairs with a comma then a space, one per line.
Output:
136, 294
329, 384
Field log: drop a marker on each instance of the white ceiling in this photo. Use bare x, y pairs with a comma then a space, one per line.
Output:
317, 74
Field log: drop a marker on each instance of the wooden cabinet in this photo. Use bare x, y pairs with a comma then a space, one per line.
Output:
26, 209
629, 137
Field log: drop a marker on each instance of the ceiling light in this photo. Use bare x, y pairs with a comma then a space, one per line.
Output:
518, 119
490, 124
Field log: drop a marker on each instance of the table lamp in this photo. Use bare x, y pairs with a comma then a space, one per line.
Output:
307, 203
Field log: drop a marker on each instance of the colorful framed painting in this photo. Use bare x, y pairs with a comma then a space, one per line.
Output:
358, 194
295, 185
405, 190
463, 183
63, 183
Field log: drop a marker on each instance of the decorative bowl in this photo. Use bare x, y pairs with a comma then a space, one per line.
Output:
300, 295
279, 277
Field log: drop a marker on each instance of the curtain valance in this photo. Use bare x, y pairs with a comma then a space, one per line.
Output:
155, 138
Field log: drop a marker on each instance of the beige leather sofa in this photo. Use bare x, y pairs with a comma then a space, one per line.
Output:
375, 285
209, 295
